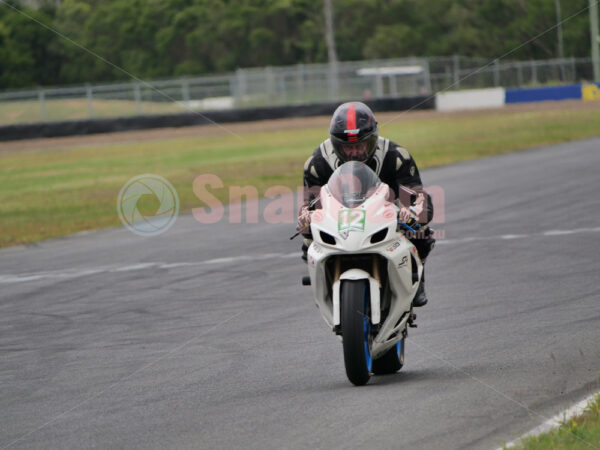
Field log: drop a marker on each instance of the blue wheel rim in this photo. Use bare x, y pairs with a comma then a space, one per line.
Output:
399, 349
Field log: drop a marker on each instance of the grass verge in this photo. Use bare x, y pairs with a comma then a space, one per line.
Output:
77, 109
47, 193
581, 432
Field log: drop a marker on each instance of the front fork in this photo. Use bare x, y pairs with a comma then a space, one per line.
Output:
357, 274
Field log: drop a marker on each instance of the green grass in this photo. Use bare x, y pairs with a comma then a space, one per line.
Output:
49, 193
578, 433
75, 109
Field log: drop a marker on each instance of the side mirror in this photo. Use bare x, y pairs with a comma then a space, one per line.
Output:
407, 196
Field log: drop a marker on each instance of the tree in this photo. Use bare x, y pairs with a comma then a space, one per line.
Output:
165, 38
26, 55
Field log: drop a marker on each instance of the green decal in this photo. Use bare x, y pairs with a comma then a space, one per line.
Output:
351, 219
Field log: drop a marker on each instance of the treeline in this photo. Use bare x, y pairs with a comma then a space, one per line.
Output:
163, 38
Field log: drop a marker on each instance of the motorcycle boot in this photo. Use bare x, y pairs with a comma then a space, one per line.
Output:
420, 297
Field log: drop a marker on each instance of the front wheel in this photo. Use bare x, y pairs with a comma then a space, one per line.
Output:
356, 330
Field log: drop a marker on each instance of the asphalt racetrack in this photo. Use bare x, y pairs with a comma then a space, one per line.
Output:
203, 337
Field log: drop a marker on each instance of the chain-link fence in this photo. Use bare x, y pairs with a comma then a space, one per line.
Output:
471, 73
291, 85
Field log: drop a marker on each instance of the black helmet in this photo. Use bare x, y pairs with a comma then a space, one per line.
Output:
353, 131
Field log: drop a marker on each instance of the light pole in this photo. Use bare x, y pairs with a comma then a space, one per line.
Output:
594, 38
330, 38
561, 47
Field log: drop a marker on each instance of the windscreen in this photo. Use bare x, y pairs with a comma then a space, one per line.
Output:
352, 183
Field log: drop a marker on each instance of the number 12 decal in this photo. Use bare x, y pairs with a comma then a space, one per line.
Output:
351, 219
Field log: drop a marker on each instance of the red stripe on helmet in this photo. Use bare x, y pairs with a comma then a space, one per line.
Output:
351, 122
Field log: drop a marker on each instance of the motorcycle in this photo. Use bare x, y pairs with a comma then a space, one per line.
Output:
363, 270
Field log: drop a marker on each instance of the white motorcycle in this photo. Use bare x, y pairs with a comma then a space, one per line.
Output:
363, 272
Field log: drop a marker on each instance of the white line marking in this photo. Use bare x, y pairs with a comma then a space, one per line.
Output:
576, 410
513, 236
548, 233
74, 273
134, 267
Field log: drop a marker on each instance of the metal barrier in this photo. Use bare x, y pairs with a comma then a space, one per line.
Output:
279, 86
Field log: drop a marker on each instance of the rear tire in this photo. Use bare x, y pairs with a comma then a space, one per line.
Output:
356, 330
391, 361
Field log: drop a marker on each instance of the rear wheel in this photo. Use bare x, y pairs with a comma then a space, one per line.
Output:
356, 330
391, 361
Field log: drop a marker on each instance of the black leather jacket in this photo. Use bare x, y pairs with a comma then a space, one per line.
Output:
394, 165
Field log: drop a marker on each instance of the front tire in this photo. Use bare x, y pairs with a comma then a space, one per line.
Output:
356, 330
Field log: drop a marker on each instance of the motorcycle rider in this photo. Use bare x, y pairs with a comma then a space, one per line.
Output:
354, 137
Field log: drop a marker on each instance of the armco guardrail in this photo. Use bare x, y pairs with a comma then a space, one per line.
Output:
83, 127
